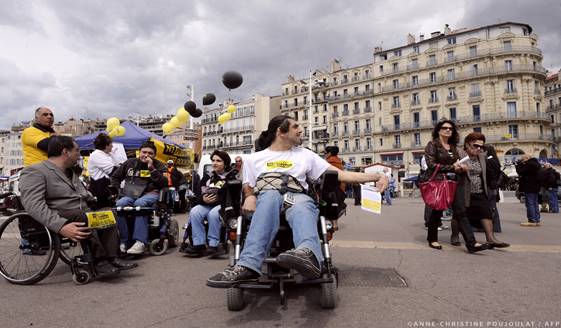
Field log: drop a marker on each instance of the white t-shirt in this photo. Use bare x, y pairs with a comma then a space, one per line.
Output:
100, 164
298, 162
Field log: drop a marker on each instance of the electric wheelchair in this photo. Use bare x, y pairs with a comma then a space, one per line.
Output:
163, 230
327, 197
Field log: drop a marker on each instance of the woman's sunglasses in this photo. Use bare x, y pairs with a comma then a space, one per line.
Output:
449, 128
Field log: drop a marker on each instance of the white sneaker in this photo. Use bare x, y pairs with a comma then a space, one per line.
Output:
123, 248
137, 248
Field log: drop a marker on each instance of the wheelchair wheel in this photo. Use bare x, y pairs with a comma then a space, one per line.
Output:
234, 299
328, 298
28, 250
173, 233
68, 250
81, 277
158, 247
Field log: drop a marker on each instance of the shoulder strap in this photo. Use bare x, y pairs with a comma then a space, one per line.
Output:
435, 172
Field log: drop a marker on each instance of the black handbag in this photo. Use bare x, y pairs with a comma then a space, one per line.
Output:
133, 190
503, 180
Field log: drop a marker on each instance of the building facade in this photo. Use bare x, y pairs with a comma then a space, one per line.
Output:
238, 135
487, 79
553, 103
11, 156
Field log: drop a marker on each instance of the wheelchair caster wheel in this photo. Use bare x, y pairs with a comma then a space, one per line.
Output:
158, 247
234, 299
328, 298
81, 277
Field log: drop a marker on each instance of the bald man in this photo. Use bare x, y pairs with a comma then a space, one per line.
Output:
35, 139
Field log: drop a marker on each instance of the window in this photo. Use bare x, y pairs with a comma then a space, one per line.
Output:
417, 139
450, 55
476, 113
453, 113
432, 60
345, 78
285, 91
473, 51
451, 40
285, 103
346, 145
511, 109
345, 92
510, 86
346, 128
367, 74
414, 63
434, 116
451, 74
513, 130
474, 70
395, 84
396, 102
381, 141
357, 126
355, 91
316, 120
397, 53
416, 119
415, 80
295, 101
416, 49
508, 65
357, 144
397, 141
538, 108
452, 94
433, 96
474, 90
345, 109
367, 87
324, 119
415, 100
507, 45
396, 159
295, 115
368, 125
335, 129
396, 122
381, 68
395, 67
432, 77
368, 143
477, 129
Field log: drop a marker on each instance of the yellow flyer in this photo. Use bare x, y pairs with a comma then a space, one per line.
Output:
101, 219
371, 200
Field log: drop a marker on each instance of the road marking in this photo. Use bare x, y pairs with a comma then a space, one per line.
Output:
416, 246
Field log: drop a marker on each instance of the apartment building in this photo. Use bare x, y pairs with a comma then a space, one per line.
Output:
553, 103
487, 79
238, 135
11, 155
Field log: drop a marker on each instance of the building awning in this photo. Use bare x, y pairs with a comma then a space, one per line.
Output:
394, 153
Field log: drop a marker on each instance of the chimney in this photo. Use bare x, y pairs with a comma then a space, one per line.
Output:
421, 37
410, 39
335, 66
447, 29
435, 34
377, 49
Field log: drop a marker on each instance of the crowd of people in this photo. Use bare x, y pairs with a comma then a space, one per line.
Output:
53, 194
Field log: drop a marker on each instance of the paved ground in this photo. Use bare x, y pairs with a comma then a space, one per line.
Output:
516, 286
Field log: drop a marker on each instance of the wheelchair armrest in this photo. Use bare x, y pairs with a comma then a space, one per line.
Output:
332, 204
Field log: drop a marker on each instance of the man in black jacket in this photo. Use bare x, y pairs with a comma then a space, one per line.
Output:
527, 168
143, 180
551, 180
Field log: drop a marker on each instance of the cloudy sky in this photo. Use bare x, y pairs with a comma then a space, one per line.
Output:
88, 59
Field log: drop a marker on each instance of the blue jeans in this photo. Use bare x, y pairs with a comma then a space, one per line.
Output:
388, 196
532, 207
197, 216
141, 221
302, 218
553, 201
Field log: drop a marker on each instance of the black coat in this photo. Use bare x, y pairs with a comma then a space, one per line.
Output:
493, 172
528, 175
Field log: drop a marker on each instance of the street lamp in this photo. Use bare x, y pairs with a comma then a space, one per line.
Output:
311, 85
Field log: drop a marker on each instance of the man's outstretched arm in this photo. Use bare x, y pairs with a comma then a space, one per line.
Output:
358, 177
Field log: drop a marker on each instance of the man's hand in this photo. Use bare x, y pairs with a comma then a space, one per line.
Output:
149, 162
75, 231
249, 204
382, 183
210, 199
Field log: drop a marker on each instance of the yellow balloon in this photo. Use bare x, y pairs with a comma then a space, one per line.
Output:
224, 118
182, 115
167, 127
112, 123
231, 109
175, 122
120, 131
113, 133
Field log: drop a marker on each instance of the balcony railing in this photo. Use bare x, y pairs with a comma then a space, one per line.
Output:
396, 145
396, 106
552, 91
474, 94
451, 97
433, 100
510, 91
415, 102
368, 109
356, 111
335, 114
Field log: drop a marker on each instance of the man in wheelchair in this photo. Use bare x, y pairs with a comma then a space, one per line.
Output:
53, 195
144, 177
279, 152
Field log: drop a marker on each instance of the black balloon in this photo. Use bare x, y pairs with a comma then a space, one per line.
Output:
190, 106
232, 79
196, 113
209, 99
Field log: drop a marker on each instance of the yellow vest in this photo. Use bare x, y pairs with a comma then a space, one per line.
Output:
29, 140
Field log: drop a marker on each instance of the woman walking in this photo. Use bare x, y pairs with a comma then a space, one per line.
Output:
441, 151
477, 201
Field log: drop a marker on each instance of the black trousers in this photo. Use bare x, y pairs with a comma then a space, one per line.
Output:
460, 214
100, 189
104, 243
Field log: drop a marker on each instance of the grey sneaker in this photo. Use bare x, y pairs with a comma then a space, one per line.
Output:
302, 260
137, 248
231, 276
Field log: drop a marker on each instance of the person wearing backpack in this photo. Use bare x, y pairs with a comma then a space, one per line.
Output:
527, 168
550, 180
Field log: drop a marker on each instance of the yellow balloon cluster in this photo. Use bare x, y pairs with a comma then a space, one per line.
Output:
225, 117
115, 128
181, 118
